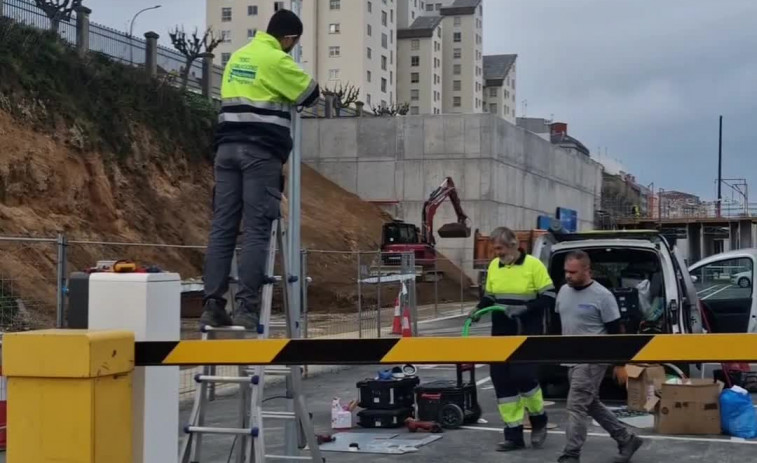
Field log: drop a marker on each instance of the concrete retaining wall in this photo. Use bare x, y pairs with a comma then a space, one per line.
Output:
504, 174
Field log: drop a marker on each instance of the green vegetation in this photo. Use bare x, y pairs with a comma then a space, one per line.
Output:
44, 80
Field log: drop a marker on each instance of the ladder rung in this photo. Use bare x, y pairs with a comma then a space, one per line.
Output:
208, 430
278, 415
223, 379
283, 371
288, 457
228, 329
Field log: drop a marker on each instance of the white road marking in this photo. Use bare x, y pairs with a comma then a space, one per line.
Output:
709, 288
652, 437
483, 381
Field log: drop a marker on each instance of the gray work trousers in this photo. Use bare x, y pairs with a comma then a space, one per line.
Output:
583, 402
248, 184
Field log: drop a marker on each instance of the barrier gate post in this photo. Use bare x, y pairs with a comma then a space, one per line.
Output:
70, 393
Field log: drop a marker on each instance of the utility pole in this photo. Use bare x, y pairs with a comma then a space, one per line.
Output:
720, 167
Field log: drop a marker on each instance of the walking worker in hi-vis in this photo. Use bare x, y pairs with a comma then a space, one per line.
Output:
520, 282
261, 84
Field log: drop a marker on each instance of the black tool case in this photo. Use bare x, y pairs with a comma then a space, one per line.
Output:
448, 402
384, 418
376, 394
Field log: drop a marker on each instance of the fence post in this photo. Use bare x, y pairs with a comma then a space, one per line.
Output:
359, 297
207, 74
61, 244
378, 297
82, 30
151, 53
329, 107
359, 108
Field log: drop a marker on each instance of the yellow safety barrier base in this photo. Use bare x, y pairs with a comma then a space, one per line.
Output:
691, 348
69, 396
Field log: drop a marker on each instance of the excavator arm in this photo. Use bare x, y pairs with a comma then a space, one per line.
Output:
459, 229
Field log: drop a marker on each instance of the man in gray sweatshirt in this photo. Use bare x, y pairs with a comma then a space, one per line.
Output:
588, 308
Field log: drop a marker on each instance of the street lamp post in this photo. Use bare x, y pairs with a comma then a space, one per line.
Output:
131, 31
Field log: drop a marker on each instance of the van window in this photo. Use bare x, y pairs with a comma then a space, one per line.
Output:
725, 288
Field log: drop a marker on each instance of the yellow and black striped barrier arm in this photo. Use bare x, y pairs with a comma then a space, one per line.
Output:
688, 348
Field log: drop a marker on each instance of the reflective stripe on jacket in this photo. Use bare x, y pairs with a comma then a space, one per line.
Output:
261, 84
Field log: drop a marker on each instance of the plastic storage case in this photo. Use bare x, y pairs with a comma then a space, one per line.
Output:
384, 418
375, 394
448, 402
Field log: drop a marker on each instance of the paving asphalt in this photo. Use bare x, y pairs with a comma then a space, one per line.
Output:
474, 443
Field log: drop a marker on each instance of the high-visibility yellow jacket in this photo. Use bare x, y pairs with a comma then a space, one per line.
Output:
261, 84
526, 288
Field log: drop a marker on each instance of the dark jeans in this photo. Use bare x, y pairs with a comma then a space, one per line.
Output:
248, 183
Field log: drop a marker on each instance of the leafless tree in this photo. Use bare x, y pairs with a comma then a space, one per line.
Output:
344, 95
391, 110
192, 47
57, 10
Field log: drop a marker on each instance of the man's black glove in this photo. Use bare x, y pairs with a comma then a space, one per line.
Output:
486, 301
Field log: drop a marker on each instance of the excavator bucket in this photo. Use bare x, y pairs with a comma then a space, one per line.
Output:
454, 230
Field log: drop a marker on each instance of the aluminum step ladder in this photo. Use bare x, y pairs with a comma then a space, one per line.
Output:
249, 435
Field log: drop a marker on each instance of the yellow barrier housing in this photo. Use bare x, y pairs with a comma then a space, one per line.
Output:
69, 396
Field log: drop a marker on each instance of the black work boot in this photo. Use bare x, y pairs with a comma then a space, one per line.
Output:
214, 314
538, 430
513, 440
627, 449
246, 318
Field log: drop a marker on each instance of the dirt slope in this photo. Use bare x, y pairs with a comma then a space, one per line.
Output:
48, 187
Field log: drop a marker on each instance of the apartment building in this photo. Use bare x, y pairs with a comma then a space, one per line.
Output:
345, 42
499, 86
420, 65
463, 76
408, 11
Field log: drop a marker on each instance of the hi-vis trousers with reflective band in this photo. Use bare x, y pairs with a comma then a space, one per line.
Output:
518, 392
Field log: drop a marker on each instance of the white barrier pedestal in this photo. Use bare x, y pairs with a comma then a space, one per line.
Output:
149, 304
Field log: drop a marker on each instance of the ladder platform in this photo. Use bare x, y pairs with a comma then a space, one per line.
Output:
289, 457
224, 431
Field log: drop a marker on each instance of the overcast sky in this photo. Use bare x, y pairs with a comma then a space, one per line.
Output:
644, 79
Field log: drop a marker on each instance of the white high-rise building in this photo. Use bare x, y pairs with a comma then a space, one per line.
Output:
499, 86
345, 42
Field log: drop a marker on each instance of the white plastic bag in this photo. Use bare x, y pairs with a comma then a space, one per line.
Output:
645, 302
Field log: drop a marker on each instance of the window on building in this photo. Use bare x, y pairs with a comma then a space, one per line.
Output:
513, 112
368, 76
252, 10
383, 62
438, 6
370, 7
391, 16
335, 51
278, 6
226, 14
513, 83
370, 30
251, 33
458, 20
333, 74
457, 85
415, 61
368, 99
457, 37
414, 110
507, 109
493, 91
415, 77
391, 77
456, 69
456, 101
334, 28
391, 36
415, 44
457, 53
430, 7
415, 94
226, 36
493, 108
225, 57
391, 56
438, 32
369, 52
383, 18
412, 15
383, 85
384, 41
335, 4
478, 39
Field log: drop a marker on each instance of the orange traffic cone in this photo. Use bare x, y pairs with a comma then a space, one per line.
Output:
397, 322
407, 332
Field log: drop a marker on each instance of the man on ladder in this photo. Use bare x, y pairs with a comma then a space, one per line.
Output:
261, 84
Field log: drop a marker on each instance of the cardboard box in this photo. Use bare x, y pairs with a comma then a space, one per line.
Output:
644, 382
692, 408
